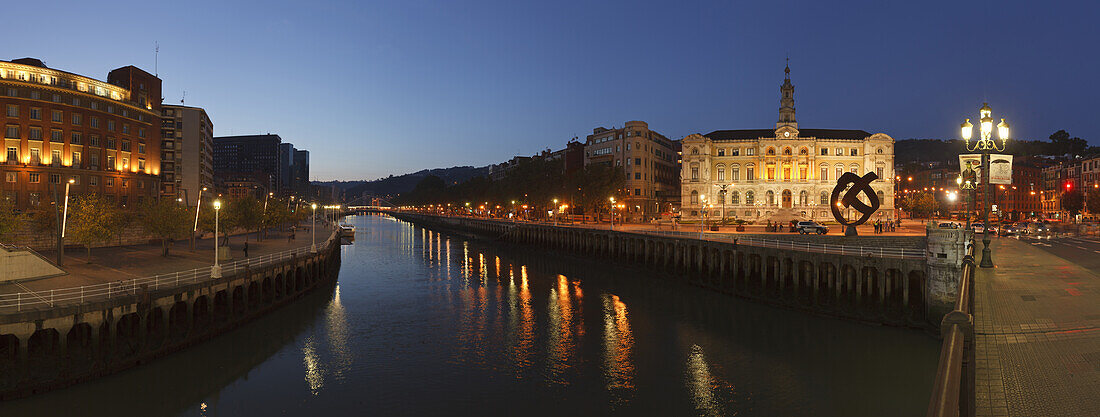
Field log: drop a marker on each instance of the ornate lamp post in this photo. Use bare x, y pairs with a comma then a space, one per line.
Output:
985, 146
612, 199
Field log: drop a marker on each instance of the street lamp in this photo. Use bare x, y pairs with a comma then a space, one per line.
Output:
313, 229
216, 270
612, 199
556, 217
985, 146
703, 206
198, 204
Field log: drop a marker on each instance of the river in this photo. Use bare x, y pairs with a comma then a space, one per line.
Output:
425, 323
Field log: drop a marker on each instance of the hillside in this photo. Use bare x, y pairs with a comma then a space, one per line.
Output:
399, 184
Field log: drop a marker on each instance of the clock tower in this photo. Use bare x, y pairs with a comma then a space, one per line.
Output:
786, 102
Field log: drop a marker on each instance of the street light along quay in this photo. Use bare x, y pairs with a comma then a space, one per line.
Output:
313, 229
985, 146
216, 270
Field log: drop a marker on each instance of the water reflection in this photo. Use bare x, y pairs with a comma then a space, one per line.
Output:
618, 346
426, 323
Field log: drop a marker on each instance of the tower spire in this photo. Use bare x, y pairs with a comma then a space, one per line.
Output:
786, 100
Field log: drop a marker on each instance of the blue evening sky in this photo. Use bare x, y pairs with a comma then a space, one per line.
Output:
379, 88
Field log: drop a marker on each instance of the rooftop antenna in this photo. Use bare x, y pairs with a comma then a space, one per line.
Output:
184, 97
156, 60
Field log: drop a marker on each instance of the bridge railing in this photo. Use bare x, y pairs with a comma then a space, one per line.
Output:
953, 391
16, 302
877, 252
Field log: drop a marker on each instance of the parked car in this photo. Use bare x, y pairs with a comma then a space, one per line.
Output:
1008, 230
805, 228
978, 228
949, 225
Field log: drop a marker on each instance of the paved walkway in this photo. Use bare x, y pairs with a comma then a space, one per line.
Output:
135, 261
1037, 321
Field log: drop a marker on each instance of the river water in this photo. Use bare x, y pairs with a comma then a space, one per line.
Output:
423, 323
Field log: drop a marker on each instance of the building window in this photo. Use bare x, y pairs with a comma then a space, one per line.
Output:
111, 162
771, 198
839, 152
771, 151
637, 175
749, 174
787, 151
93, 180
55, 157
854, 152
803, 151
721, 174
141, 132
33, 177
11, 176
110, 181
93, 121
57, 117
695, 173
94, 140
76, 159
637, 191
110, 123
750, 198
824, 173
735, 174
141, 148
721, 152
55, 178
76, 138
735, 198
35, 133
824, 151
694, 197
878, 170
750, 151
13, 110
141, 164
36, 113
36, 157
771, 173
77, 119
839, 172
13, 154
824, 198
55, 135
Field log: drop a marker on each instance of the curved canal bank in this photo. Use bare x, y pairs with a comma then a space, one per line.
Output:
67, 336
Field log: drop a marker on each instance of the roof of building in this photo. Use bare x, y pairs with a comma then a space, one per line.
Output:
768, 133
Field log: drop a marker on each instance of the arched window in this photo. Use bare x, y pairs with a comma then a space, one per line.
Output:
735, 198
855, 169
824, 172
771, 151
721, 173
824, 198
802, 198
694, 197
695, 172
735, 172
878, 151
694, 151
771, 198
881, 198
750, 198
803, 151
787, 151
839, 171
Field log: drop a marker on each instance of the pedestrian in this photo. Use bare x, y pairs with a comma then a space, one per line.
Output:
246, 249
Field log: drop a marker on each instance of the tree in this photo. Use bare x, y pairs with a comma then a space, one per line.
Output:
921, 204
246, 213
1061, 144
1073, 201
1092, 201
92, 220
9, 220
165, 219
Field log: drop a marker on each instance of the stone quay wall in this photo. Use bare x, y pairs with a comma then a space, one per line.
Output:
879, 290
48, 347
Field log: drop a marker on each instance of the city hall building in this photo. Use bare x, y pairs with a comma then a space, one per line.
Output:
780, 174
60, 126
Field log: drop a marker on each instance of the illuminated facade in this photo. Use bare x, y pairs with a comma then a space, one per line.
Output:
646, 157
104, 136
780, 174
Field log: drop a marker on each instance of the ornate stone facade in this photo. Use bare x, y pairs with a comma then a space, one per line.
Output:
782, 174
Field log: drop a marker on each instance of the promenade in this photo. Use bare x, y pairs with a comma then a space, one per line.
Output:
1037, 325
119, 263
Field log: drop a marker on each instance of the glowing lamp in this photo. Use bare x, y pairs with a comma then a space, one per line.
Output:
1002, 130
967, 130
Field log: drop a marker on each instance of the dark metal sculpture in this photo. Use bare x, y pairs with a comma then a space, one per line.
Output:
851, 199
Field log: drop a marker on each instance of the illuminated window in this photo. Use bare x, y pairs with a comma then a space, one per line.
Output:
55, 157
11, 176
36, 156
824, 172
36, 113
76, 159
13, 153
35, 133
